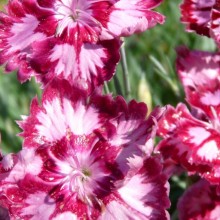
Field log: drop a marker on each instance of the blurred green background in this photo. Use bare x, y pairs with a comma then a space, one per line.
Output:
151, 65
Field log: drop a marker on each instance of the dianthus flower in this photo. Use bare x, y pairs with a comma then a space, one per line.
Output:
199, 202
85, 158
77, 40
202, 16
192, 139
215, 18
196, 14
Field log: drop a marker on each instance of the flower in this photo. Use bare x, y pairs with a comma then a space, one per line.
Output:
196, 14
74, 40
85, 158
202, 17
199, 74
84, 65
191, 139
83, 186
215, 30
199, 201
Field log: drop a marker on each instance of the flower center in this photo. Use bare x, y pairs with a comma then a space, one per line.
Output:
80, 179
71, 13
86, 172
79, 171
78, 184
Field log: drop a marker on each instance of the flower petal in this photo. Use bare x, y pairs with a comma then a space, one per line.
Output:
199, 202
84, 65
196, 14
129, 17
190, 142
199, 73
141, 203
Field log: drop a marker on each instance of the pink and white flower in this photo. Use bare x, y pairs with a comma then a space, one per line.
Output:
198, 202
215, 18
190, 142
74, 40
192, 139
85, 65
196, 14
199, 74
17, 33
67, 112
85, 185
85, 158
202, 16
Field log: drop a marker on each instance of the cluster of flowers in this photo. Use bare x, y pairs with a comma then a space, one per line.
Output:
191, 139
76, 40
91, 156
85, 155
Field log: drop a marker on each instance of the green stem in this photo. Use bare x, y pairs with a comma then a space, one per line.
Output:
107, 91
127, 85
117, 85
174, 216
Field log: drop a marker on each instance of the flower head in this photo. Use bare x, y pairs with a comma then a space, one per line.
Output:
83, 157
215, 29
199, 74
200, 201
77, 40
191, 139
196, 14
202, 17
